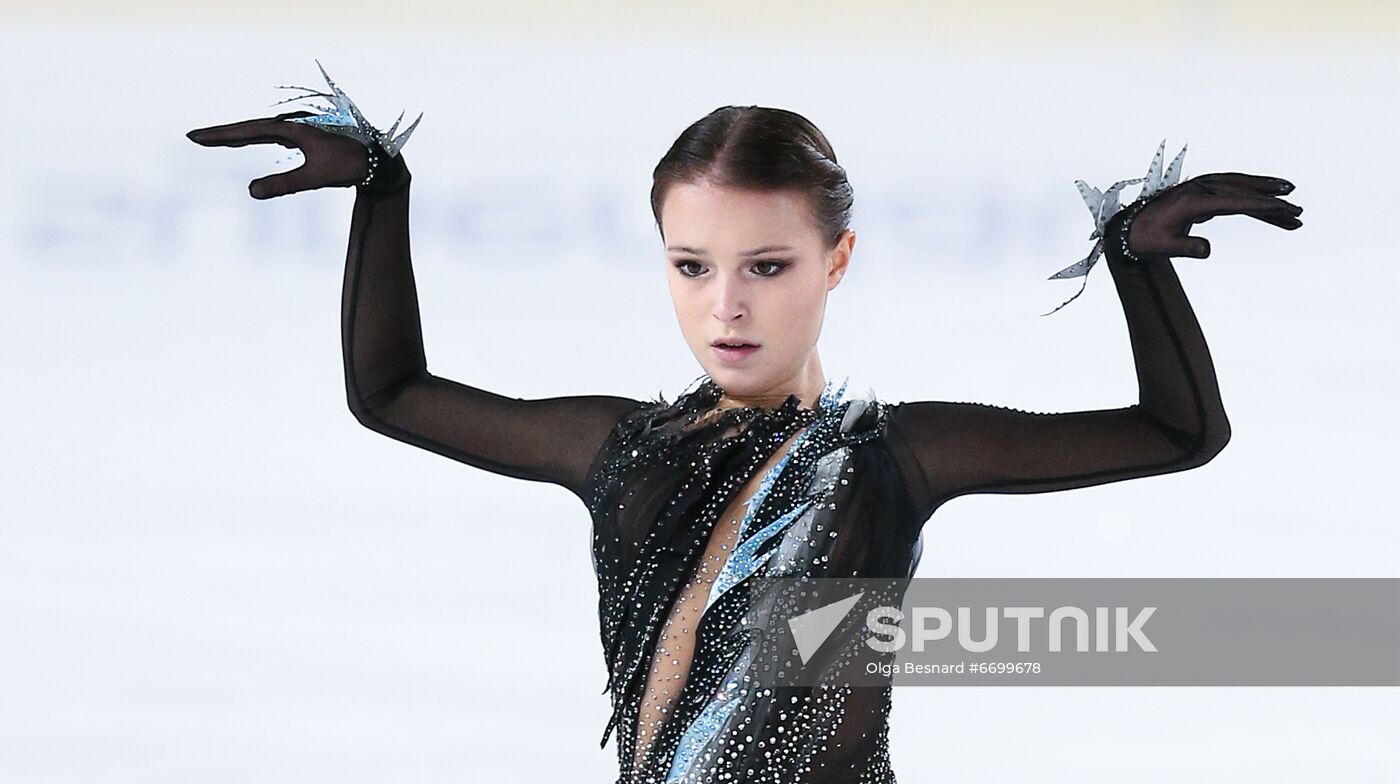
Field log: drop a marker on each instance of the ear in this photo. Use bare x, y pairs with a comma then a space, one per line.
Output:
838, 259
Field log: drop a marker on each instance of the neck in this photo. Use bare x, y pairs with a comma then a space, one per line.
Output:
807, 384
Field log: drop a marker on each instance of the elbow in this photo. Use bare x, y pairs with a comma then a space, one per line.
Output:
1198, 446
368, 410
373, 409
1211, 442
363, 413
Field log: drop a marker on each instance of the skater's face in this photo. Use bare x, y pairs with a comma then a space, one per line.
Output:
749, 266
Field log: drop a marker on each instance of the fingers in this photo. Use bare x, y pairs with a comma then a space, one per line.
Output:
1281, 220
263, 130
281, 184
1205, 207
1248, 194
1235, 181
1202, 207
236, 134
1191, 247
302, 178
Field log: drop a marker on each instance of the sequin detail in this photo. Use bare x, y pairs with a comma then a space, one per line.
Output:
669, 473
1103, 206
343, 117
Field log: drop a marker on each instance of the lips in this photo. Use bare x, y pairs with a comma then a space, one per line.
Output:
732, 352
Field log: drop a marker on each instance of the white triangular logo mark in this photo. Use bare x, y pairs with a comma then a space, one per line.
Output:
810, 629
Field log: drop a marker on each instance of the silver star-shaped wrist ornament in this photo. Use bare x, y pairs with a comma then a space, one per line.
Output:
1103, 206
343, 117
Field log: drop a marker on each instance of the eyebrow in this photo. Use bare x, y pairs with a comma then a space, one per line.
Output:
745, 254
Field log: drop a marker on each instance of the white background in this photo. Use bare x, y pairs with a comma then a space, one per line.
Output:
210, 572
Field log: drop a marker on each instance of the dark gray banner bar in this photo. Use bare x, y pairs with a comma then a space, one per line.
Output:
1074, 632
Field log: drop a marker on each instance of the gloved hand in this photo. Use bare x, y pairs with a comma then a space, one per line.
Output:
1159, 225
332, 160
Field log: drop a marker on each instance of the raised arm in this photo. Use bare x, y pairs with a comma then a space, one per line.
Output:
387, 381
391, 391
950, 449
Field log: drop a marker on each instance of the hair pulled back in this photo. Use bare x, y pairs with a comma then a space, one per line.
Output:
763, 149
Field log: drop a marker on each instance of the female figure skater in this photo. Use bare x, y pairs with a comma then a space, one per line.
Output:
690, 498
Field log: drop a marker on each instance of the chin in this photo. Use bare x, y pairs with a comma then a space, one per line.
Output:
737, 381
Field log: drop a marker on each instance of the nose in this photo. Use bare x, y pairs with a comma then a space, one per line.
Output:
729, 305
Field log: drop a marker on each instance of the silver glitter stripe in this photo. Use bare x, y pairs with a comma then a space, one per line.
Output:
795, 551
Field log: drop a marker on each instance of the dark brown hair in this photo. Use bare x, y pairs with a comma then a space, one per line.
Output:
763, 149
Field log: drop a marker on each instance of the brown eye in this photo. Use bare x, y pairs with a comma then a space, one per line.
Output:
683, 266
774, 267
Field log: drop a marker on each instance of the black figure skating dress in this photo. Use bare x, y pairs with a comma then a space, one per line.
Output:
686, 503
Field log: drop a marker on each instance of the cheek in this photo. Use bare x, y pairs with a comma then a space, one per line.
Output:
800, 305
689, 307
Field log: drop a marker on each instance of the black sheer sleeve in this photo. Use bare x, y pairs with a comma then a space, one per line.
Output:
391, 391
950, 449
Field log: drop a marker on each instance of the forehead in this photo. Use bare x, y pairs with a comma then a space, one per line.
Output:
722, 218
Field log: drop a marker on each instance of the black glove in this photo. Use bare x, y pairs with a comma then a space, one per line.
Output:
1159, 226
332, 160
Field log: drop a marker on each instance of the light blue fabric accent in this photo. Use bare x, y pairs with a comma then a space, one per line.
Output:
741, 564
703, 730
